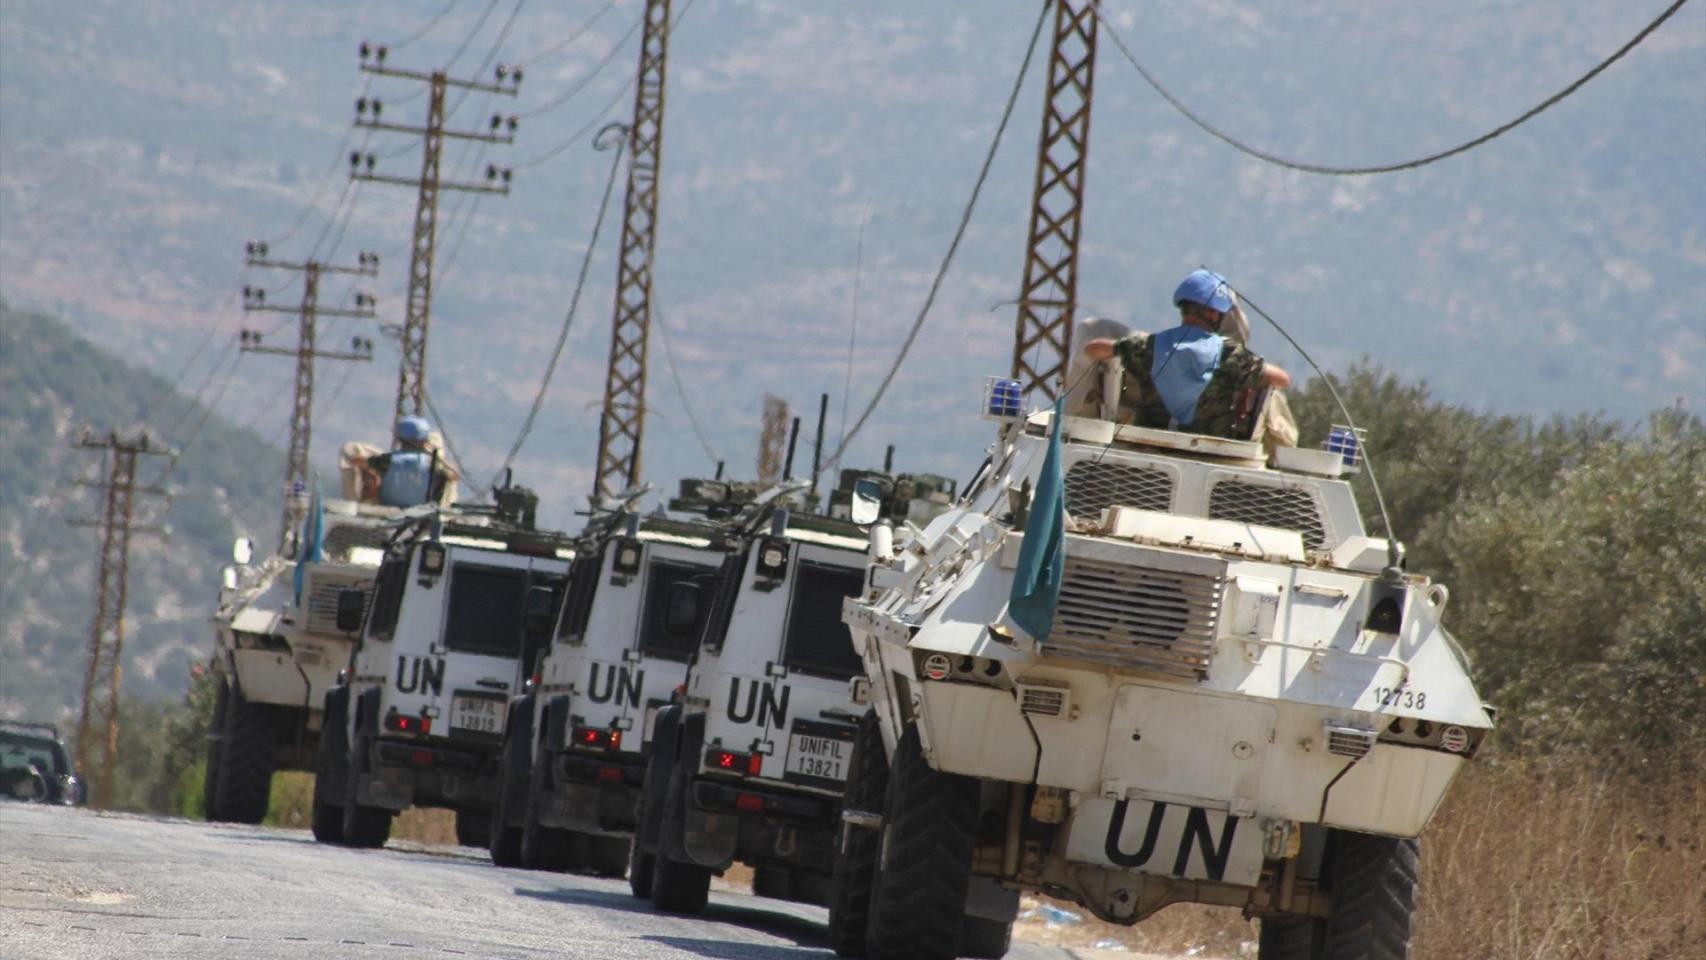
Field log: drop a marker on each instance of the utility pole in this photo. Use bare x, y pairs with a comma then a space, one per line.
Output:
411, 375
105, 672
623, 421
1049, 295
772, 438
297, 461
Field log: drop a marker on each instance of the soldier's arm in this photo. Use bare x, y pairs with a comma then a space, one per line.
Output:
1275, 376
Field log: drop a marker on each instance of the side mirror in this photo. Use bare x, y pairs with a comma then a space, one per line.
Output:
867, 502
242, 551
539, 610
352, 604
228, 578
683, 613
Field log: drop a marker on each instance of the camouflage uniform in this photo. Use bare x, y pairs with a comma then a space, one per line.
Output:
1222, 408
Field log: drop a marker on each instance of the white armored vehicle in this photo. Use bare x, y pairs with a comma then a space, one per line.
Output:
277, 651
1241, 700
748, 764
575, 746
462, 602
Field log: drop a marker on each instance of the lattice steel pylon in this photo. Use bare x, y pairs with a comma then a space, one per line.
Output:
622, 423
297, 467
105, 673
411, 371
1049, 295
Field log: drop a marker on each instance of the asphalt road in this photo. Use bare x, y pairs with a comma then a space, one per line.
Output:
77, 884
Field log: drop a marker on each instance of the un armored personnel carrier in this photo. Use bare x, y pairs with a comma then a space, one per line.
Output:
748, 764
277, 651
461, 603
575, 745
1242, 700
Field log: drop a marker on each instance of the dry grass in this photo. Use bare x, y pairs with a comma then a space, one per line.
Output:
293, 796
1535, 861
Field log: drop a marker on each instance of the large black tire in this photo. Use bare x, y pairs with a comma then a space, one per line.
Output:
327, 817
473, 828
642, 863
776, 883
985, 939
850, 886
641, 866
516, 766
542, 847
246, 761
677, 887
364, 826
215, 748
1372, 881
918, 897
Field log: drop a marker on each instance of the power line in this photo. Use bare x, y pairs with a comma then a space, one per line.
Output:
586, 78
463, 48
686, 404
1423, 161
444, 431
574, 304
491, 54
853, 325
582, 130
953, 247
561, 45
426, 27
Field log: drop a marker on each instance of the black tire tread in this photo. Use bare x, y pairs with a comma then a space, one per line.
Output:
677, 887
850, 887
215, 747
920, 895
246, 761
1374, 897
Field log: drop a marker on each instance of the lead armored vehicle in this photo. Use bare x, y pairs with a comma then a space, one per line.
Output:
1242, 700
748, 764
461, 603
575, 745
277, 651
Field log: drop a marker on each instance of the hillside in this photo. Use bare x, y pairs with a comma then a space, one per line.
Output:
146, 140
52, 381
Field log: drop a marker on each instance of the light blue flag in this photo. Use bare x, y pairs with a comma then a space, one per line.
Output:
311, 546
1042, 557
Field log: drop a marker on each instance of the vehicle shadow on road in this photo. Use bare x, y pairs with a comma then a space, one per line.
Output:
804, 932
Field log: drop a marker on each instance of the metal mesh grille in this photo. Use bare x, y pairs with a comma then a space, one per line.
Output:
323, 589
1092, 487
341, 538
1136, 617
1268, 506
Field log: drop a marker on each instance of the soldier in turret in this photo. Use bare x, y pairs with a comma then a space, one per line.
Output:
1194, 377
411, 474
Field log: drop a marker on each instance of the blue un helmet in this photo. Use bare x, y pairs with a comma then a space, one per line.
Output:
413, 429
1204, 287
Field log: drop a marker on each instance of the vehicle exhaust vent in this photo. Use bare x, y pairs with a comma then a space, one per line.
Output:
1350, 742
1136, 617
323, 590
1092, 487
1269, 506
1042, 701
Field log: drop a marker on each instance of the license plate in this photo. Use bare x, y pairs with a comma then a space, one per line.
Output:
477, 714
818, 754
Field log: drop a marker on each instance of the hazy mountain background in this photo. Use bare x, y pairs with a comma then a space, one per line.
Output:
1559, 269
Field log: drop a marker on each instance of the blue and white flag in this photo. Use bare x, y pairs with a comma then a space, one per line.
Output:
1042, 557
310, 547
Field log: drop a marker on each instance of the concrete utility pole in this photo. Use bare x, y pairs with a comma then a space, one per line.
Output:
622, 424
105, 673
772, 438
1049, 295
411, 375
297, 460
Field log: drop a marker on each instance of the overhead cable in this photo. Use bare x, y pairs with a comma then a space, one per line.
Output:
466, 40
491, 54
586, 78
686, 402
444, 431
425, 28
953, 247
1343, 171
559, 46
616, 143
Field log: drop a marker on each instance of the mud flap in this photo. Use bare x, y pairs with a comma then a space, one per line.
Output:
556, 715
709, 838
573, 806
987, 899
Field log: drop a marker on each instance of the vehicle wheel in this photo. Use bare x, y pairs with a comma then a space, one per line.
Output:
677, 887
1373, 884
215, 746
774, 882
364, 826
809, 887
641, 863
542, 847
985, 939
505, 842
918, 897
246, 761
327, 817
473, 829
640, 867
850, 885
605, 856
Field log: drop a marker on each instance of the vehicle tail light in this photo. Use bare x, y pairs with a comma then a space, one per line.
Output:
610, 774
404, 723
749, 803
595, 738
744, 764
421, 758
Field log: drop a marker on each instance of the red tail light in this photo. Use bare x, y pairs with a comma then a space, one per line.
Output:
421, 758
594, 738
754, 765
610, 774
403, 723
745, 764
749, 802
